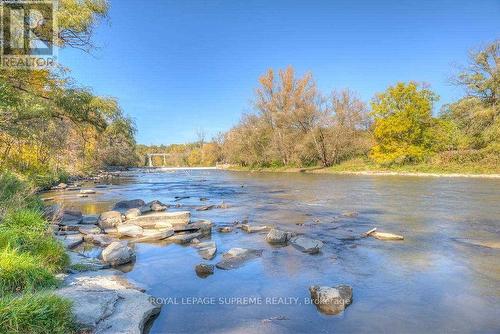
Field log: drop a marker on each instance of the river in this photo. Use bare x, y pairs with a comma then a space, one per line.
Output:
430, 282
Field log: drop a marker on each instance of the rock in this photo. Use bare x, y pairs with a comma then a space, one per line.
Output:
155, 235
129, 230
205, 208
82, 195
100, 186
225, 229
79, 262
202, 226
223, 205
276, 236
90, 220
207, 249
132, 213
48, 199
331, 300
162, 219
62, 186
184, 238
87, 191
157, 206
203, 199
386, 236
130, 204
102, 240
237, 257
73, 188
106, 303
118, 253
89, 230
204, 270
306, 245
253, 229
349, 214
70, 241
195, 241
69, 217
110, 219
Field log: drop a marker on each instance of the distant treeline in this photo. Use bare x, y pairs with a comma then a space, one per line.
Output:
294, 124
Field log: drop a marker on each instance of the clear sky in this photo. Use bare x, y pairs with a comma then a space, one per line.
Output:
177, 66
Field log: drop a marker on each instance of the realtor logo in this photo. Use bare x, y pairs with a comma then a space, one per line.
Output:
28, 34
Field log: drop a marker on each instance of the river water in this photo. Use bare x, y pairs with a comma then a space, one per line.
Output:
432, 282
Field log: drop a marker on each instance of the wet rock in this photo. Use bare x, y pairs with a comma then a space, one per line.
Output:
202, 226
157, 206
162, 219
204, 270
203, 199
349, 214
276, 236
225, 229
205, 208
306, 245
129, 230
79, 262
102, 240
237, 257
100, 186
130, 204
207, 250
155, 235
83, 195
70, 241
87, 191
110, 219
386, 236
118, 253
70, 217
105, 303
331, 300
132, 213
73, 188
195, 241
90, 220
184, 238
254, 229
223, 205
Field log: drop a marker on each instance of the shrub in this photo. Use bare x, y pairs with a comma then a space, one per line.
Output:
21, 272
37, 313
16, 194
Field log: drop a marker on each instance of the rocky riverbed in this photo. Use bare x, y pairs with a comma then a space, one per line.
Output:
107, 241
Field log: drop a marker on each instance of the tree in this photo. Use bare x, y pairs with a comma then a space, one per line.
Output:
402, 123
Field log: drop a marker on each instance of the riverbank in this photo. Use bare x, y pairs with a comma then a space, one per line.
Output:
361, 167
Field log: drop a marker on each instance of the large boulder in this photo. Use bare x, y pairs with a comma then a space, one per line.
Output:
307, 245
130, 204
331, 300
184, 238
104, 302
207, 250
162, 219
237, 257
110, 219
70, 241
132, 213
130, 230
276, 236
118, 253
102, 240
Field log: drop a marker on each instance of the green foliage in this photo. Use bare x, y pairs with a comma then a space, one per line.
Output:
16, 194
35, 313
20, 272
403, 123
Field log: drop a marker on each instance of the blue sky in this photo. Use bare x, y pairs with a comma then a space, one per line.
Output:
179, 66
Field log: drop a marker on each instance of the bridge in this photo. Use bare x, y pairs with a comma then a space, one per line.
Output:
149, 157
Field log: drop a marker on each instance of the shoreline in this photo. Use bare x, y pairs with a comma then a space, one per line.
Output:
363, 173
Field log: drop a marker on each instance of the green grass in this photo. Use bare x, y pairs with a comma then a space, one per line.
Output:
16, 194
22, 272
27, 231
38, 313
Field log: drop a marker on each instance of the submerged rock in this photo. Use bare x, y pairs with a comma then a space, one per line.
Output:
106, 303
306, 245
90, 220
118, 253
494, 244
253, 229
205, 208
237, 257
130, 204
207, 250
79, 262
204, 270
331, 300
276, 236
225, 229
386, 236
110, 219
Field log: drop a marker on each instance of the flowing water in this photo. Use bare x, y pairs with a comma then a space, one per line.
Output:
431, 282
